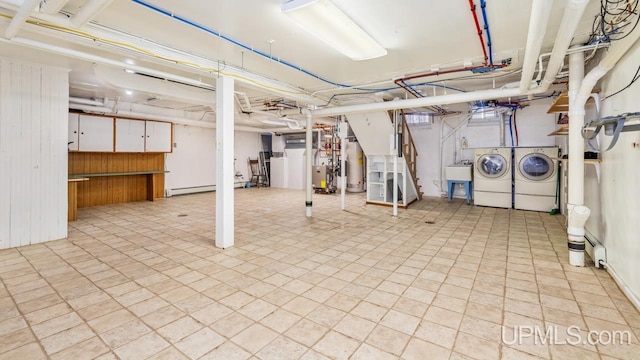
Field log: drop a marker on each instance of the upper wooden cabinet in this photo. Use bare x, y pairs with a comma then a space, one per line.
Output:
106, 134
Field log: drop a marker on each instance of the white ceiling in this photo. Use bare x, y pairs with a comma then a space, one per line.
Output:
420, 36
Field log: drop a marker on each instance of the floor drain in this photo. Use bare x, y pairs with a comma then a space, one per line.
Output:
182, 215
429, 222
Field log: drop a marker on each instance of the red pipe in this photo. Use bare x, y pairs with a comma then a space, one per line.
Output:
475, 18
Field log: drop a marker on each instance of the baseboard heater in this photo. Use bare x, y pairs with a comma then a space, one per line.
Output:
197, 189
596, 250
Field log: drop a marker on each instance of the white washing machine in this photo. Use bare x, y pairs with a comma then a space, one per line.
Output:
492, 180
536, 177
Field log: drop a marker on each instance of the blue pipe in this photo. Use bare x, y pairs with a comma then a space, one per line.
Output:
483, 4
511, 129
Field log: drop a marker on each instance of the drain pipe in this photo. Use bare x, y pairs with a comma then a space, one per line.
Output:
577, 213
309, 165
580, 88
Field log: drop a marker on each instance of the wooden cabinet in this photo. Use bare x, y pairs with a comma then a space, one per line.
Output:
158, 136
130, 135
96, 133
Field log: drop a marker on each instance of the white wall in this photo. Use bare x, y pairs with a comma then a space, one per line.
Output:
33, 153
615, 201
533, 124
193, 161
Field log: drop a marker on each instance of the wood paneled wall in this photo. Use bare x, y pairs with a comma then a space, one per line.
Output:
34, 101
115, 189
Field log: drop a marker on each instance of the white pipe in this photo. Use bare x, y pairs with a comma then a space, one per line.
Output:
83, 101
308, 164
580, 88
52, 6
20, 17
572, 16
174, 119
576, 142
540, 11
88, 11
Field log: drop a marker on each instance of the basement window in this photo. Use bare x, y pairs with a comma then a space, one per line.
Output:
485, 115
421, 119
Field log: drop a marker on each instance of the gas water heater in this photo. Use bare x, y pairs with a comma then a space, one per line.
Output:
355, 168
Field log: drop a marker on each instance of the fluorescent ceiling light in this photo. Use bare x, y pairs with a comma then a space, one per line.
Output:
329, 24
290, 123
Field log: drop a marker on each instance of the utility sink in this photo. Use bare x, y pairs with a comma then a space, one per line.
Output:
458, 172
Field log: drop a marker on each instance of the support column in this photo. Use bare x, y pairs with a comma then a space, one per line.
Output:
309, 162
343, 131
577, 213
395, 163
224, 162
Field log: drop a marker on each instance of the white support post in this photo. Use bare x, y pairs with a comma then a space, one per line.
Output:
224, 162
309, 163
343, 162
395, 163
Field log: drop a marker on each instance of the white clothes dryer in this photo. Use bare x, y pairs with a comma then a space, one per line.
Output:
492, 177
536, 178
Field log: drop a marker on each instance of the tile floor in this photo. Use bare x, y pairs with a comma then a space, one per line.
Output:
143, 280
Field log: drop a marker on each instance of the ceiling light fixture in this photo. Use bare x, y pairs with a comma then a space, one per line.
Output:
283, 121
328, 23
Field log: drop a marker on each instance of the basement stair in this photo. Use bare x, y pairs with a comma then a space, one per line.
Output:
375, 135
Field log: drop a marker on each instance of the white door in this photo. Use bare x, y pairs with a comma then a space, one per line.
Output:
96, 133
158, 136
72, 139
130, 135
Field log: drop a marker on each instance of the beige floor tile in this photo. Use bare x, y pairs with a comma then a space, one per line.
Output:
111, 320
401, 322
306, 332
162, 317
369, 311
366, 352
142, 348
227, 351
254, 338
418, 349
124, 333
67, 338
477, 348
336, 346
231, 324
170, 353
200, 343
16, 339
179, 329
280, 320
29, 351
436, 334
86, 350
212, 313
443, 317
282, 348
100, 309
56, 325
387, 339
